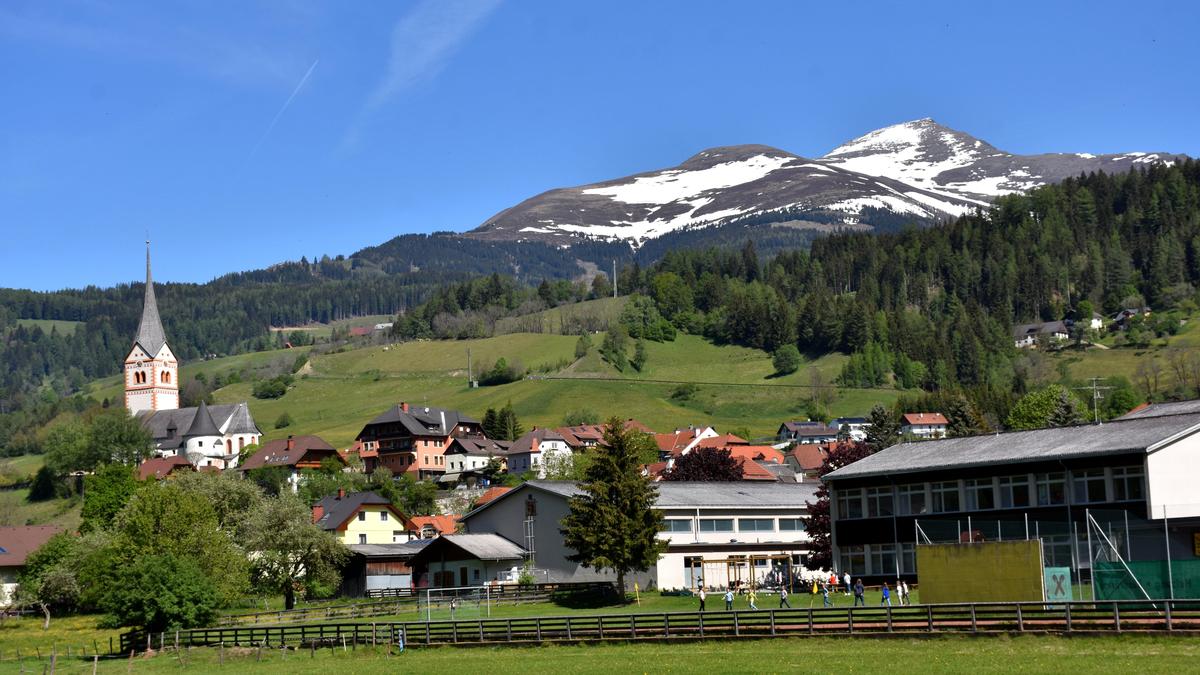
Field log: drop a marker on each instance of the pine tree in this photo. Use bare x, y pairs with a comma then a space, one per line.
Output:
883, 430
491, 424
639, 356
510, 428
613, 525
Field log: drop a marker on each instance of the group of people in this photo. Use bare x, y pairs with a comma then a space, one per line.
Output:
859, 591
825, 587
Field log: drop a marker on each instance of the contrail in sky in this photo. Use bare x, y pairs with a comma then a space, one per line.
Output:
283, 109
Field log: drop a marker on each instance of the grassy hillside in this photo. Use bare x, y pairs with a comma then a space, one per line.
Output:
346, 390
599, 313
324, 330
63, 327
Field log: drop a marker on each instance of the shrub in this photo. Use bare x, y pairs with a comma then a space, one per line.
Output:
786, 359
275, 387
161, 592
283, 421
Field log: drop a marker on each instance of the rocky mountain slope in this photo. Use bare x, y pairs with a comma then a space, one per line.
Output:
918, 171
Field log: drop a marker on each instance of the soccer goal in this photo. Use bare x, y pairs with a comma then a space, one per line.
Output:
463, 602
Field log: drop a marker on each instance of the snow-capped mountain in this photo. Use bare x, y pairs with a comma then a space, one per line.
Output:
918, 171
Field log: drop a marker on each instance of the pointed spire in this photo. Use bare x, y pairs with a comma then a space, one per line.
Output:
150, 334
202, 423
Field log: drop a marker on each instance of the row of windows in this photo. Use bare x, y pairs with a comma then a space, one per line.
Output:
362, 516
727, 525
164, 376
1088, 486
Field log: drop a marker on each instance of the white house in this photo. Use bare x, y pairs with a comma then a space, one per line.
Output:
717, 533
923, 425
471, 454
855, 426
532, 451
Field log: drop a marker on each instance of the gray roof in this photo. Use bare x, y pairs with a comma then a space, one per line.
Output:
421, 420
478, 447
150, 336
486, 546
1044, 328
406, 549
1163, 409
532, 440
159, 422
202, 423
338, 511
1117, 437
692, 495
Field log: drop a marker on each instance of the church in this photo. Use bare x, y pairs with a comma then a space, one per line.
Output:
207, 436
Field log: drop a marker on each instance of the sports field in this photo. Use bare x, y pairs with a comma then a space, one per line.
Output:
1027, 654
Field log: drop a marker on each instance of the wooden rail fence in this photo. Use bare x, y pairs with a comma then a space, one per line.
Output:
1162, 616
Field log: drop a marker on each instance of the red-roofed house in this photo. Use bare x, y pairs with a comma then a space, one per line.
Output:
721, 441
161, 467
681, 441
360, 331
806, 458
429, 527
923, 425
295, 453
758, 453
752, 470
16, 543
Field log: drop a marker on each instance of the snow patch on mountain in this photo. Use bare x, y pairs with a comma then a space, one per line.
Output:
682, 184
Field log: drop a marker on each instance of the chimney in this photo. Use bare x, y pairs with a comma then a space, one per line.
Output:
291, 443
341, 494
403, 406
318, 512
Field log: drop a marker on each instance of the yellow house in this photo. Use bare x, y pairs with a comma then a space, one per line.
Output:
360, 518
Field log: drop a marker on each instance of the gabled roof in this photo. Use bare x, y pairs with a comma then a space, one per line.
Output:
202, 424
150, 335
686, 494
478, 446
809, 456
277, 452
1163, 409
161, 467
338, 511
756, 452
401, 551
531, 441
486, 546
923, 418
158, 422
752, 470
1043, 328
421, 420
490, 494
721, 441
16, 543
809, 429
440, 524
1137, 435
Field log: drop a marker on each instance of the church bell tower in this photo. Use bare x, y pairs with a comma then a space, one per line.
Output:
151, 371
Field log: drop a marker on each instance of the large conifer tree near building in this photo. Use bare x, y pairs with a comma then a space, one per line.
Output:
613, 525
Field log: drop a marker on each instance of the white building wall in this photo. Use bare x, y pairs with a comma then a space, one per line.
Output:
1172, 477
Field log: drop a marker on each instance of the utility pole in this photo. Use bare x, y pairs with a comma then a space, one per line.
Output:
468, 367
614, 278
1096, 396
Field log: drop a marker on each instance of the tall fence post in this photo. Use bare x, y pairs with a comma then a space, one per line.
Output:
929, 616
810, 621
974, 625
1067, 612
772, 616
1167, 545
889, 618
1020, 620
1117, 617
1168, 604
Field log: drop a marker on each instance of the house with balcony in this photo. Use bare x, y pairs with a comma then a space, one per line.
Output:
413, 439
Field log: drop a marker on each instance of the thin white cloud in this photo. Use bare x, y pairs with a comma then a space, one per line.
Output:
424, 40
283, 108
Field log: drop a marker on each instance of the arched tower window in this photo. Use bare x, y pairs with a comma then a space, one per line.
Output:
229, 446
165, 376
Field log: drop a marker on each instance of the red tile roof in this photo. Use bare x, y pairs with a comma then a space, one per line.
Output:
490, 494
809, 456
16, 543
160, 467
722, 441
925, 418
440, 524
764, 453
359, 331
752, 470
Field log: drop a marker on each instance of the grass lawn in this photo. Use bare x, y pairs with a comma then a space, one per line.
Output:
1029, 654
15, 510
19, 469
63, 327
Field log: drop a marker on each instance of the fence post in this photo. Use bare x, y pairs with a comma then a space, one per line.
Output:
1067, 606
850, 620
599, 624
1168, 604
701, 615
666, 625
889, 618
508, 629
737, 629
929, 614
538, 623
772, 612
569, 628
426, 632
810, 621
1020, 620
974, 627
1117, 616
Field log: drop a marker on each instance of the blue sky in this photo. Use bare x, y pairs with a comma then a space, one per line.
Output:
240, 134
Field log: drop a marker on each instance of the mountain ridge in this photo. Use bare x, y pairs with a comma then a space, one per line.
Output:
919, 170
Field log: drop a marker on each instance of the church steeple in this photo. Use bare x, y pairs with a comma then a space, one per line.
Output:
151, 371
150, 336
